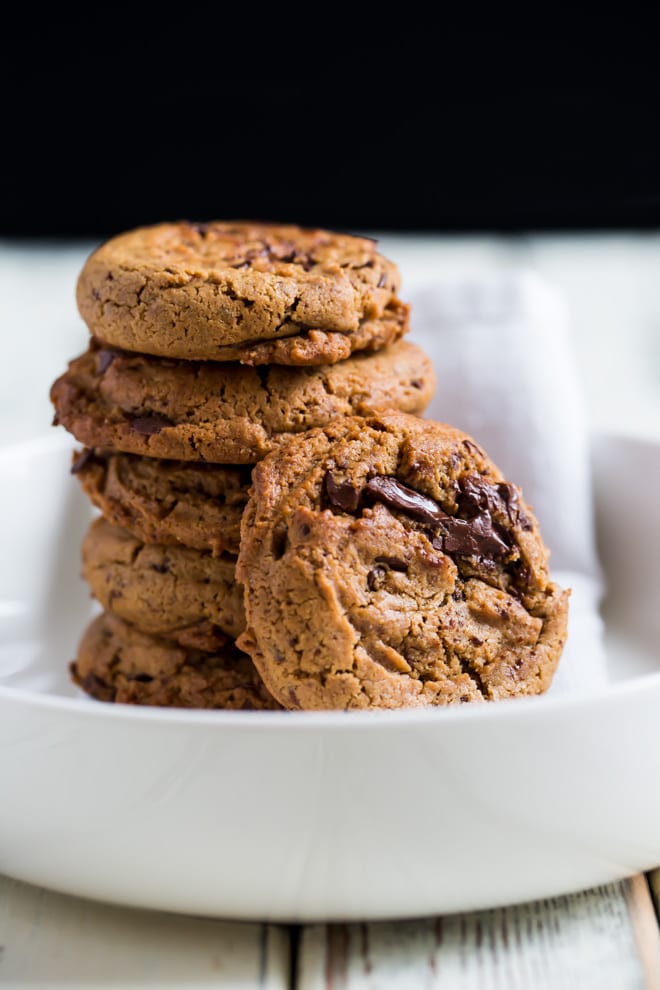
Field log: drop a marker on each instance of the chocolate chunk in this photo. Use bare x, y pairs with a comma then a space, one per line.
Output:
375, 578
163, 568
397, 496
477, 536
394, 563
510, 498
104, 359
150, 424
83, 458
470, 538
341, 494
382, 281
478, 496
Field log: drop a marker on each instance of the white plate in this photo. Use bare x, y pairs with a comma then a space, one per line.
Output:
320, 816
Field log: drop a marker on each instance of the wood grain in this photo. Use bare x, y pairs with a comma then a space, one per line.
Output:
50, 941
605, 938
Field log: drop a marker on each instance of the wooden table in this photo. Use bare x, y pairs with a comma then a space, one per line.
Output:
606, 938
602, 938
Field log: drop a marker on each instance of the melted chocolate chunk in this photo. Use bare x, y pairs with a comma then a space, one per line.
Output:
397, 496
83, 458
341, 494
477, 496
150, 424
476, 536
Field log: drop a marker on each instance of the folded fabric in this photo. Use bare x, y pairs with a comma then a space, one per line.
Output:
507, 375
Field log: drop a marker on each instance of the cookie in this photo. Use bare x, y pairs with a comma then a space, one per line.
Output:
257, 292
185, 595
387, 563
170, 502
226, 413
117, 662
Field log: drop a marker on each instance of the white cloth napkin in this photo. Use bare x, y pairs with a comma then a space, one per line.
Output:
507, 375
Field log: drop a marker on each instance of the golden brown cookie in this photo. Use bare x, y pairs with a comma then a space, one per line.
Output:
226, 413
170, 502
387, 563
241, 290
116, 662
181, 594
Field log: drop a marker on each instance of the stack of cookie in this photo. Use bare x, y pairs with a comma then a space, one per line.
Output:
211, 346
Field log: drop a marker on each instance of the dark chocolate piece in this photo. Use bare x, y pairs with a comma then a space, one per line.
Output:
341, 494
104, 359
150, 424
392, 493
82, 459
470, 538
477, 536
394, 563
478, 496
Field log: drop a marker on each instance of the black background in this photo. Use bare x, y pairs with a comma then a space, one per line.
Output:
393, 120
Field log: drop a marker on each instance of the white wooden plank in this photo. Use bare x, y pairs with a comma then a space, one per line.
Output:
586, 940
51, 941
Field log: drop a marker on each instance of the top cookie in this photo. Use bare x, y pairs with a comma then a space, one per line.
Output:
255, 292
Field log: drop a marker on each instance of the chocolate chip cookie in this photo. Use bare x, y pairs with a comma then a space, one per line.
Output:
171, 502
387, 563
226, 413
254, 292
117, 662
185, 595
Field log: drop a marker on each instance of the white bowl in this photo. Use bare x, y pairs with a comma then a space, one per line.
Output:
320, 816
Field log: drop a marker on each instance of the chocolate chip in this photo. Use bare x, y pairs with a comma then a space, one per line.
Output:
416, 383
382, 281
394, 563
341, 494
104, 359
375, 578
199, 228
83, 458
392, 493
163, 568
150, 424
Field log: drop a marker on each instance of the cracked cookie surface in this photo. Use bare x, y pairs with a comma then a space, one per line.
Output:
241, 290
118, 663
185, 595
170, 502
387, 563
226, 413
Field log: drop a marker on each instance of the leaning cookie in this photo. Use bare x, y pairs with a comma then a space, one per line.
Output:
116, 662
226, 413
169, 502
184, 595
263, 293
387, 563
